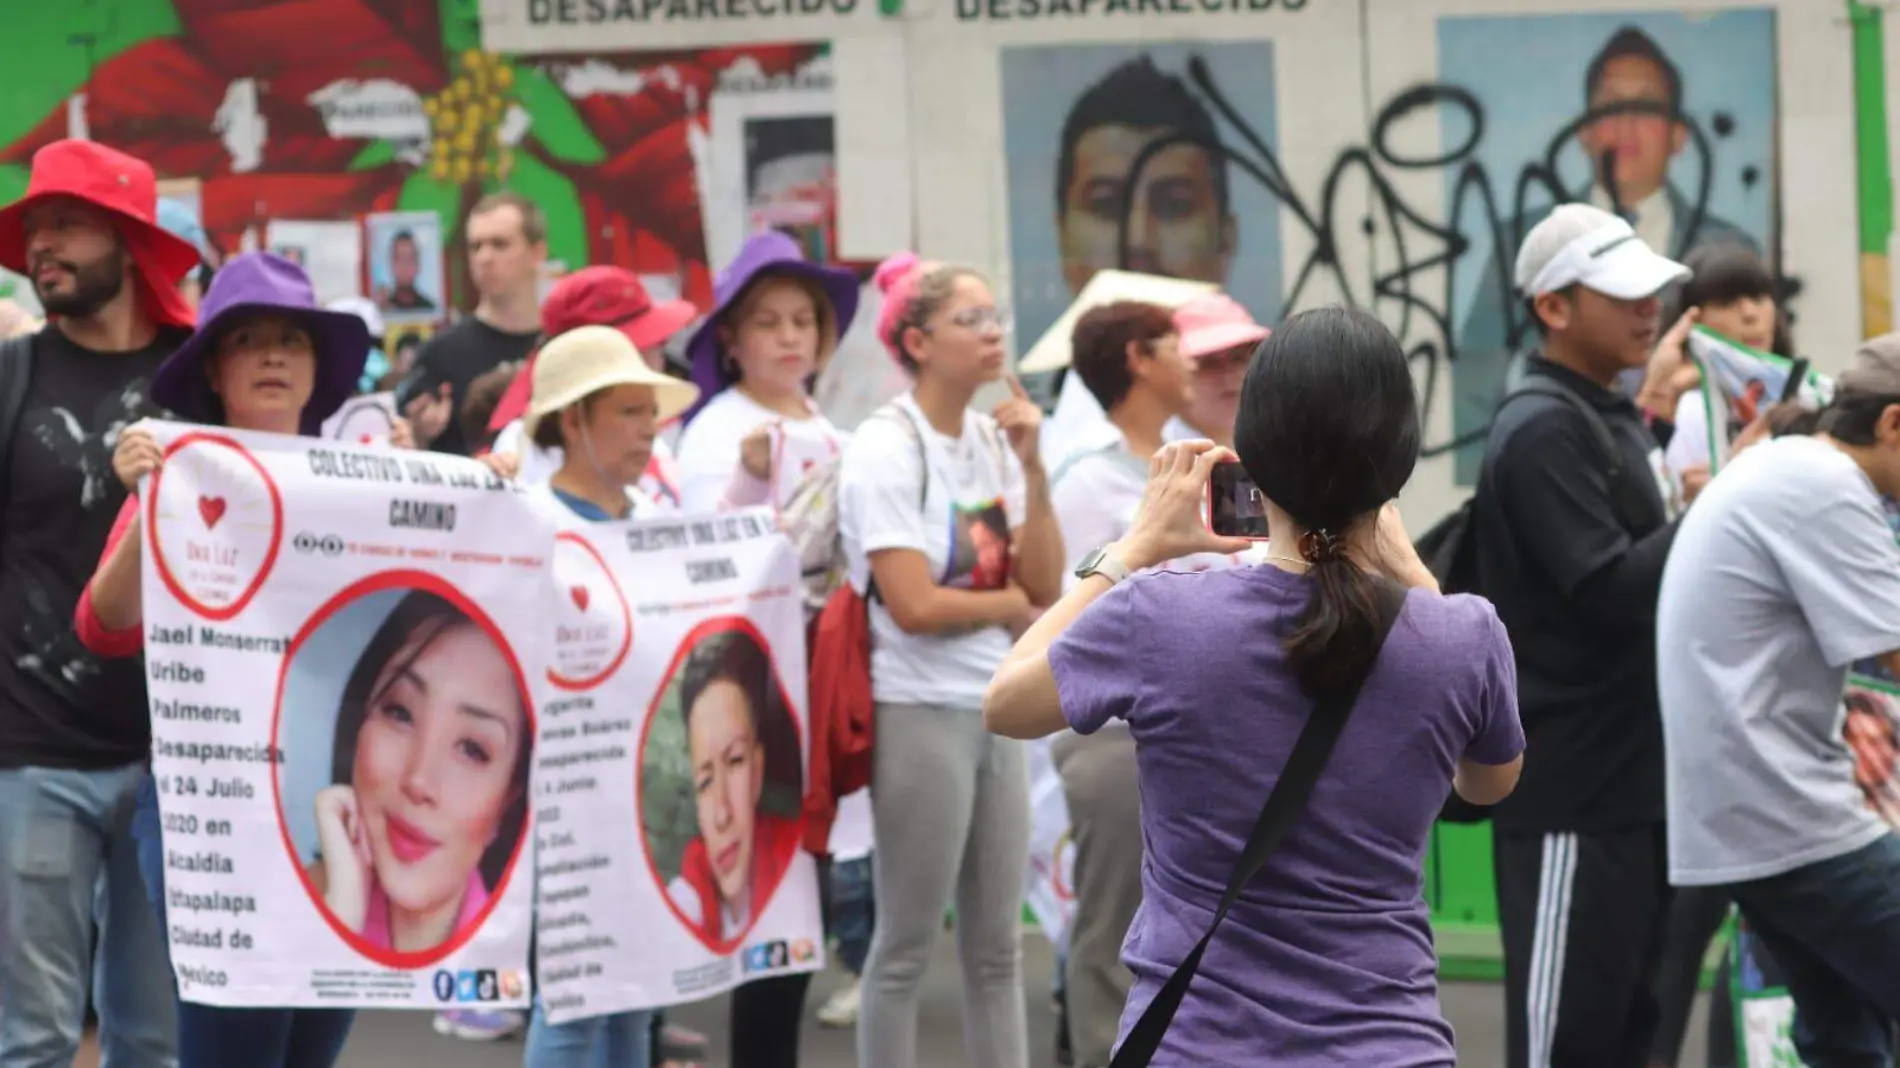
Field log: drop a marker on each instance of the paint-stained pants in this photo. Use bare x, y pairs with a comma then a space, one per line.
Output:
1583, 917
1099, 783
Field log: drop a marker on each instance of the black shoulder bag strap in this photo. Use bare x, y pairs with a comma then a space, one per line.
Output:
1289, 796
1627, 510
16, 373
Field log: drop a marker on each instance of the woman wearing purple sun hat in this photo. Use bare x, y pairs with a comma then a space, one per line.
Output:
264, 357
776, 319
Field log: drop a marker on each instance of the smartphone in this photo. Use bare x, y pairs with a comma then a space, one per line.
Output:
1235, 506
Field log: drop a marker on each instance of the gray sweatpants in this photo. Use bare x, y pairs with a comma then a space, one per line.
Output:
1099, 783
950, 807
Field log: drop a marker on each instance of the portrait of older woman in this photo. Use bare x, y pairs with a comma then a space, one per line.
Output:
429, 773
739, 743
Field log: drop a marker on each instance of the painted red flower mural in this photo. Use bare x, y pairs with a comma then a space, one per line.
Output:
305, 110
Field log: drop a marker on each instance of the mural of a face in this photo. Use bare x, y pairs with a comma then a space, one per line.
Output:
1175, 223
1644, 141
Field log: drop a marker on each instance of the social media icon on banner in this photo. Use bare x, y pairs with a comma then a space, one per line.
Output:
512, 985
803, 951
445, 985
465, 987
757, 958
487, 987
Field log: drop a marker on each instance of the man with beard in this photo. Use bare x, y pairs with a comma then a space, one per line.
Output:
74, 731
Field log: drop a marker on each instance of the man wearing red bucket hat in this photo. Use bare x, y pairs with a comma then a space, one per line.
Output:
74, 730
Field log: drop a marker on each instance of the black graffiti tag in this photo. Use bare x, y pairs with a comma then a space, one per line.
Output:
1418, 244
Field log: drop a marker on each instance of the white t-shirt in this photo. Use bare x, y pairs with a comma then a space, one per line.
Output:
660, 483
709, 448
1783, 575
1095, 495
973, 500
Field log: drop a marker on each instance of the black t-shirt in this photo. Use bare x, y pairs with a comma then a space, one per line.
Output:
458, 356
1574, 576
60, 706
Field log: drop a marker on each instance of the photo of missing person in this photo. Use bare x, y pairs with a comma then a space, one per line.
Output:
407, 739
979, 557
405, 269
792, 181
1869, 728
405, 264
1078, 123
722, 784
1668, 118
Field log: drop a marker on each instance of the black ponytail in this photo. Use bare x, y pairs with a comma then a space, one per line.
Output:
1328, 428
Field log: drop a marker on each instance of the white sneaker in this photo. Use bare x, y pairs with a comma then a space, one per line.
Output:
842, 1009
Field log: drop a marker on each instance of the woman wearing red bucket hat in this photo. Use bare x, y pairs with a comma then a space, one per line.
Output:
591, 296
265, 357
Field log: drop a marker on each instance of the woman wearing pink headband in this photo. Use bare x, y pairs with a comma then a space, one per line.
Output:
947, 512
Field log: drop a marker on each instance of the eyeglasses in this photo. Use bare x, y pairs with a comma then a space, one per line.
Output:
980, 320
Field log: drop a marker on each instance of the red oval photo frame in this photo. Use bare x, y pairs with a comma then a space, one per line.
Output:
626, 616
378, 583
706, 629
177, 589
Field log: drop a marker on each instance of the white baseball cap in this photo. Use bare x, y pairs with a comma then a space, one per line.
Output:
1579, 244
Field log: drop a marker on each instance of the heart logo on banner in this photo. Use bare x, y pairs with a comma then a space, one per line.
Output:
367, 439
590, 646
217, 521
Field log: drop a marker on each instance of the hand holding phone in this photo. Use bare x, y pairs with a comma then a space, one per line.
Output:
1171, 520
1236, 507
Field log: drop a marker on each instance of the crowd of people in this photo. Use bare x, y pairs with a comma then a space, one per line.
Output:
1648, 690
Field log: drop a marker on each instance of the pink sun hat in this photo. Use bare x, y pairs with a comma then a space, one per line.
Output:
1215, 323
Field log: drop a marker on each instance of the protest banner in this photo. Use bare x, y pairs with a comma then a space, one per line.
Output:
672, 766
343, 716
1738, 384
364, 420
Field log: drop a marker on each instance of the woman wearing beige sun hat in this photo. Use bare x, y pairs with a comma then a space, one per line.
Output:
594, 397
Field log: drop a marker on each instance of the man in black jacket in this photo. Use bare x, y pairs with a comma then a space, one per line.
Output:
1571, 533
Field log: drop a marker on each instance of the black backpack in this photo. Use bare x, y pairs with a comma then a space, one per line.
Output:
1449, 548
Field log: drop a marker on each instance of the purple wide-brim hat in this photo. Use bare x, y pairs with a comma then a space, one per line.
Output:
769, 252
261, 283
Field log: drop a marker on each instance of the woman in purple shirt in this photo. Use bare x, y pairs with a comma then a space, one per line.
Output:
1327, 958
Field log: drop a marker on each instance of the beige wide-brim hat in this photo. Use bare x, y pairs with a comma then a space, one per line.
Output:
1052, 351
588, 359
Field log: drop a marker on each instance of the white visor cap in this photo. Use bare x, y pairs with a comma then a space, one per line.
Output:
1579, 244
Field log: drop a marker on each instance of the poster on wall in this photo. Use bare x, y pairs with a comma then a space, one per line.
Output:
404, 250
673, 766
1078, 121
343, 724
331, 253
1666, 117
773, 167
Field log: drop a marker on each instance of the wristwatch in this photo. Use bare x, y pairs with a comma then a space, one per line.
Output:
1105, 562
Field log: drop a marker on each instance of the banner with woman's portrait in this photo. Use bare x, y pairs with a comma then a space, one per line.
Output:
344, 711
673, 765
